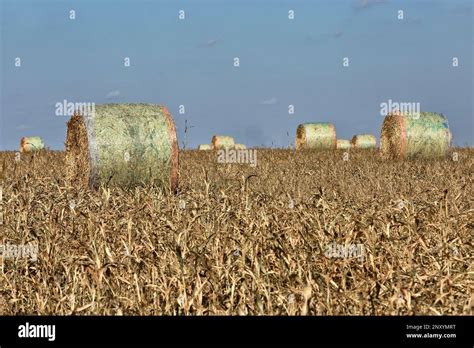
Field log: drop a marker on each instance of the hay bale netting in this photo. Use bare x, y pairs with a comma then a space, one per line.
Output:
240, 147
364, 141
29, 144
426, 135
123, 145
222, 141
204, 147
319, 136
343, 144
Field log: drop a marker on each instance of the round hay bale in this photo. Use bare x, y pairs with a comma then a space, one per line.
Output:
343, 144
364, 141
318, 136
222, 141
123, 145
204, 147
240, 147
29, 144
426, 135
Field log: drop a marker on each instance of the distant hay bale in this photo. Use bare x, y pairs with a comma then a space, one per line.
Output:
426, 135
240, 147
123, 145
222, 141
29, 144
204, 147
343, 144
318, 136
364, 141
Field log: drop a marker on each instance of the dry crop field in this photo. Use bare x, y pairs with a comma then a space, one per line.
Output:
243, 240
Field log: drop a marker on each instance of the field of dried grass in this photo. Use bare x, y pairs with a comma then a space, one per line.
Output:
243, 240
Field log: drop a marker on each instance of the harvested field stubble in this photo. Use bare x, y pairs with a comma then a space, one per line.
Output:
246, 241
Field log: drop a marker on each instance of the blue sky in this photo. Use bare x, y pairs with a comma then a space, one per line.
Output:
190, 62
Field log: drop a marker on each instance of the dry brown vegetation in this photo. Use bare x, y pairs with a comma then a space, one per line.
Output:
243, 240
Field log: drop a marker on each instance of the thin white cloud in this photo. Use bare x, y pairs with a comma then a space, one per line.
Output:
208, 43
22, 127
365, 4
463, 9
311, 39
414, 20
271, 101
113, 94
